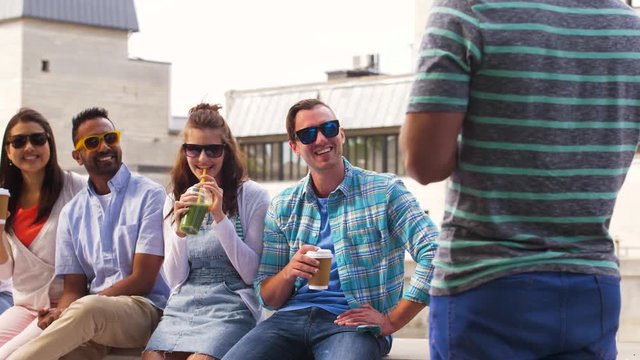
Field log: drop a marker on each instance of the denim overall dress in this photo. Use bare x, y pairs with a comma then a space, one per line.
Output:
205, 315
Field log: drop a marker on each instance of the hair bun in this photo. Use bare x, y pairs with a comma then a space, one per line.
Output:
205, 106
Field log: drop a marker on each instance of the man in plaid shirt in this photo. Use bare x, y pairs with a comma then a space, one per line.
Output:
367, 220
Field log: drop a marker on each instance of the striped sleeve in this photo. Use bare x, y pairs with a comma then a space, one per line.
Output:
450, 50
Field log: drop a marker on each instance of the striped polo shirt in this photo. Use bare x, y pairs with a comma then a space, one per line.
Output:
551, 96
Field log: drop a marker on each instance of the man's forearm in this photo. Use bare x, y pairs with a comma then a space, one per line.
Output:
130, 285
404, 312
146, 268
276, 290
75, 287
429, 145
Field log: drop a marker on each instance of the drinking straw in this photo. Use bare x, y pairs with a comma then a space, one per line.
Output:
204, 172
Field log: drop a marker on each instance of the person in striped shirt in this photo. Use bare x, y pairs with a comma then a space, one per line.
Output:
367, 220
532, 109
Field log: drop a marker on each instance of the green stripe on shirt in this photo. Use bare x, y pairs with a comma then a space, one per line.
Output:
558, 100
567, 239
558, 9
556, 124
457, 38
559, 30
559, 77
532, 50
438, 53
463, 243
548, 147
438, 100
525, 218
453, 283
459, 14
463, 267
503, 170
517, 195
442, 76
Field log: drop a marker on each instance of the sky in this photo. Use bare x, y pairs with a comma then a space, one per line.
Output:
220, 45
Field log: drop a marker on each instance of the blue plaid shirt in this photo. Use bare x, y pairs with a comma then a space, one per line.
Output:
373, 219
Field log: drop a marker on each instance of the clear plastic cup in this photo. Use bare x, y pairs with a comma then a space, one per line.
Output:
198, 208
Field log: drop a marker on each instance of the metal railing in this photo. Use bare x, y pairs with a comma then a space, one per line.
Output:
625, 251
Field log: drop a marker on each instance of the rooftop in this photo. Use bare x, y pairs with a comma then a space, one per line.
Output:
113, 14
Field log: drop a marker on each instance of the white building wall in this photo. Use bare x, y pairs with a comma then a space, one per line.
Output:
10, 70
89, 66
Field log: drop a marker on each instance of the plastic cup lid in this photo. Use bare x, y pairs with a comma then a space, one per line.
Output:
4, 191
320, 253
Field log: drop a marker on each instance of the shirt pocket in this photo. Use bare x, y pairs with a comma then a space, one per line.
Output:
367, 247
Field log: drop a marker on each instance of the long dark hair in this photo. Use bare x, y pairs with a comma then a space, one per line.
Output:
233, 171
11, 176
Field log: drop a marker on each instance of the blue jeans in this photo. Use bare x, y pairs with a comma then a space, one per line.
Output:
306, 334
537, 315
6, 301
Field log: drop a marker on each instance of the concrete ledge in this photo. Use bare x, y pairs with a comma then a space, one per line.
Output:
403, 349
409, 349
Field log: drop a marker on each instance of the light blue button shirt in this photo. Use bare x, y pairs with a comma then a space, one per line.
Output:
101, 244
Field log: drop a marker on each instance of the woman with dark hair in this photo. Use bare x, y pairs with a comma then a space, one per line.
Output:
212, 303
39, 189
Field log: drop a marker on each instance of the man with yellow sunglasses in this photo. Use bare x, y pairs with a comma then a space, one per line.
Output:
109, 251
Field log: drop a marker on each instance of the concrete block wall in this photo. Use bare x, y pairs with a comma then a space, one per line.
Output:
10, 70
88, 66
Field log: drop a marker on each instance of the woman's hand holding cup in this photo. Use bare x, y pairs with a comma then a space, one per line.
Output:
216, 191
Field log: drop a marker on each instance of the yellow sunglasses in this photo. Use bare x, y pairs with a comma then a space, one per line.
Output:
92, 142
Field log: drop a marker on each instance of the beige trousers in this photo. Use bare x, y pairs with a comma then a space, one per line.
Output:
90, 326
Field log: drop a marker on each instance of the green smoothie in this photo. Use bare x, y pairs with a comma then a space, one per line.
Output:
191, 221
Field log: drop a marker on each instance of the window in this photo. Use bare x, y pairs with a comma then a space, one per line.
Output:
45, 66
275, 161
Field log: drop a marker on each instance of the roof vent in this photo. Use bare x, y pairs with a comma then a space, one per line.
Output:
369, 62
363, 65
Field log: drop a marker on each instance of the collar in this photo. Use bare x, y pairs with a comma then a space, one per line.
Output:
117, 183
344, 187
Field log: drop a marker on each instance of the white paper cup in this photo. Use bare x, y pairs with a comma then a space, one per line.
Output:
320, 281
4, 204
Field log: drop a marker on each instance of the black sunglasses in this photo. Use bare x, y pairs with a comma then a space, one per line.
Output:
309, 135
36, 139
211, 150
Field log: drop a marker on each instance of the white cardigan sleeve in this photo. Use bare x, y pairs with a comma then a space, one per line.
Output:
253, 201
176, 264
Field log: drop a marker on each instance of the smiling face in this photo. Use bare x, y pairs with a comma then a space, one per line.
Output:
324, 154
103, 162
30, 158
202, 162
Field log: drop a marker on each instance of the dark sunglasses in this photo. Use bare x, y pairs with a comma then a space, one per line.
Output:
36, 139
309, 135
92, 142
211, 150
